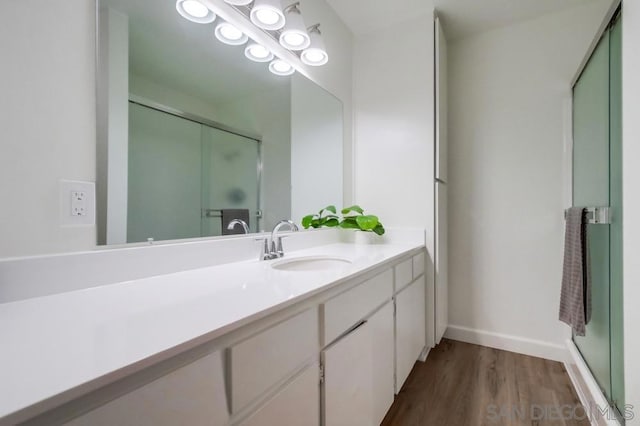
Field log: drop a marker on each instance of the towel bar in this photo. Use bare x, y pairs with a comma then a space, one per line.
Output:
218, 213
597, 215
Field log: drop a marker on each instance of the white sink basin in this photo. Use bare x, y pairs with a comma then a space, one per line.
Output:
311, 263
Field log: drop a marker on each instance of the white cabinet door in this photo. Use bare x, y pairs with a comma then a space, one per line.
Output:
298, 404
192, 395
258, 363
410, 329
348, 377
382, 352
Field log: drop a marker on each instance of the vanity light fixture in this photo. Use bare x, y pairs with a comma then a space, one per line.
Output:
228, 34
280, 67
294, 35
258, 53
316, 54
195, 11
267, 14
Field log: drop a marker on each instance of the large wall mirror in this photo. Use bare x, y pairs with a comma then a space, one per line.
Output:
191, 134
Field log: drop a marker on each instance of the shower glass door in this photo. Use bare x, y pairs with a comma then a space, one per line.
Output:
183, 173
230, 177
597, 182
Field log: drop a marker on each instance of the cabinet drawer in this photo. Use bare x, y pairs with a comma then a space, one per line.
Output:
191, 395
346, 309
298, 404
269, 357
418, 265
403, 274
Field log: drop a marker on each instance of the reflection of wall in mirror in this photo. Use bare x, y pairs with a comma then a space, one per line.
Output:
316, 149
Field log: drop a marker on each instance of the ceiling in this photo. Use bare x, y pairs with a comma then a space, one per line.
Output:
461, 17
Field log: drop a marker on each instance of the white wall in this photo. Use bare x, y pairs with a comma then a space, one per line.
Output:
113, 127
336, 76
47, 120
631, 200
393, 120
316, 154
508, 93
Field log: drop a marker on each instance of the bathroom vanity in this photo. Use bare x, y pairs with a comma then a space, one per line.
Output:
241, 343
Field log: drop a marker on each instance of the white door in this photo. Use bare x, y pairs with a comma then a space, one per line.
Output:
440, 256
348, 376
410, 329
382, 352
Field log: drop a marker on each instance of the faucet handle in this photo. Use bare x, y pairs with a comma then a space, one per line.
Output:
278, 247
265, 253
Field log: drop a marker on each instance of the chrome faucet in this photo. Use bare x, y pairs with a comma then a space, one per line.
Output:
272, 247
240, 222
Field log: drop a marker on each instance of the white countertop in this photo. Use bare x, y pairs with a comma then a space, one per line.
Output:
56, 343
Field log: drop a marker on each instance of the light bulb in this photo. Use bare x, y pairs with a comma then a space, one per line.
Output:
280, 67
294, 39
195, 8
258, 53
267, 16
195, 11
294, 35
314, 56
228, 34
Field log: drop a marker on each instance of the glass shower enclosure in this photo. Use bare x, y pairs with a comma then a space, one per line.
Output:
182, 173
597, 182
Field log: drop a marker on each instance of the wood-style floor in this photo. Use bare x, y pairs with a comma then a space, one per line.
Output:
462, 384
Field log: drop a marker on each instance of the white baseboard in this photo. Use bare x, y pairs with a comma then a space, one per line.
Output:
521, 345
587, 388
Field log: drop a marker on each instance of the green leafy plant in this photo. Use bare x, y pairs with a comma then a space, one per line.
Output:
325, 217
352, 218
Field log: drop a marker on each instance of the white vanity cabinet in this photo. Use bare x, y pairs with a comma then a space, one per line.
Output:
359, 366
382, 361
412, 326
260, 362
191, 395
337, 359
410, 329
348, 376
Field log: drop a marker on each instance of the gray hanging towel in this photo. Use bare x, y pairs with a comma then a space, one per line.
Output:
228, 215
575, 298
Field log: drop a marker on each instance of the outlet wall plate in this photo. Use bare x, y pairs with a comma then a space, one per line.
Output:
77, 203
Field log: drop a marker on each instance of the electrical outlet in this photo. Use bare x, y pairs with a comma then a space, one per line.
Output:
77, 203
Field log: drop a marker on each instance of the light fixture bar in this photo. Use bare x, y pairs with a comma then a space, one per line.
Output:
235, 17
